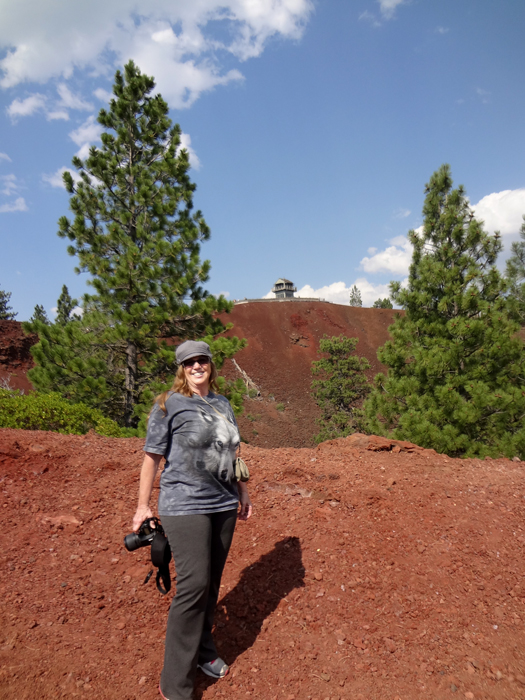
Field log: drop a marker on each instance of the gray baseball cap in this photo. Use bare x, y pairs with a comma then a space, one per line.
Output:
192, 348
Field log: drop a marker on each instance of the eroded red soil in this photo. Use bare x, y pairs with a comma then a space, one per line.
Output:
370, 570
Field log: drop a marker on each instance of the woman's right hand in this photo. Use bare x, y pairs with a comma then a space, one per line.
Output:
142, 513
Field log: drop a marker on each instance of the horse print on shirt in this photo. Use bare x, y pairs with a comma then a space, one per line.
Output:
214, 446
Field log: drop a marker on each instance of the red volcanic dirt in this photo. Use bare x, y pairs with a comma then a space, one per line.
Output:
15, 356
283, 341
371, 569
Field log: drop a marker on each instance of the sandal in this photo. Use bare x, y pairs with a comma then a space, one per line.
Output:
215, 669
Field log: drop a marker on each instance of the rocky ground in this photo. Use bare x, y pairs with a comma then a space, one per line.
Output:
370, 570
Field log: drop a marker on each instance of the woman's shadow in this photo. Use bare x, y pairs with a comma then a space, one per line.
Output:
241, 613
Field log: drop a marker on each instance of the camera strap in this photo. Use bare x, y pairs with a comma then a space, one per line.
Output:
161, 557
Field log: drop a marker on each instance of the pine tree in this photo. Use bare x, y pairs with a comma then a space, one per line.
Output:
6, 311
134, 231
355, 297
382, 304
515, 274
342, 386
39, 314
456, 375
65, 306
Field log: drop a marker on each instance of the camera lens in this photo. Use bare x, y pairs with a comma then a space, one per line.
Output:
132, 542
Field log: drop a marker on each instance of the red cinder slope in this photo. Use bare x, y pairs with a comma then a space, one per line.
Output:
15, 355
283, 340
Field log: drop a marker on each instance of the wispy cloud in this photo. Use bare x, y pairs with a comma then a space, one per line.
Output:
4, 156
102, 95
401, 213
28, 106
18, 205
86, 134
484, 95
71, 101
442, 30
9, 185
387, 9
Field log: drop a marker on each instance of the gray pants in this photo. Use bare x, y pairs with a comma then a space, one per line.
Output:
200, 546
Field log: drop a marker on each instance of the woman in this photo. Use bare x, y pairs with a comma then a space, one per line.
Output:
195, 430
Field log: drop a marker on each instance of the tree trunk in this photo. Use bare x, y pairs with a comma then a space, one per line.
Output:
131, 375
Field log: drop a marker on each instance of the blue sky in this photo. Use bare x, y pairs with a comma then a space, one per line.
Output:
312, 126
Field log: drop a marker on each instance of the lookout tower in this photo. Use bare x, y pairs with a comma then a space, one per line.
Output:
284, 289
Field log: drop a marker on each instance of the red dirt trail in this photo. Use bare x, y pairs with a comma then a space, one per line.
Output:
370, 570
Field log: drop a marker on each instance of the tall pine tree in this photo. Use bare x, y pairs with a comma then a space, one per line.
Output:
456, 374
136, 234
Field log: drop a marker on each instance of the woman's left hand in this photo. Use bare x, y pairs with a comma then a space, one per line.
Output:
245, 503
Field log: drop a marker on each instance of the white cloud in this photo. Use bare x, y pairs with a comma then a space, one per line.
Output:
401, 213
4, 156
183, 43
9, 185
55, 179
85, 135
502, 211
387, 10
339, 292
185, 142
24, 108
102, 95
89, 131
18, 205
396, 258
370, 17
484, 95
442, 30
58, 114
388, 7
76, 311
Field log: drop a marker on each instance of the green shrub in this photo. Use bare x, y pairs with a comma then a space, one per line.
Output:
52, 412
280, 407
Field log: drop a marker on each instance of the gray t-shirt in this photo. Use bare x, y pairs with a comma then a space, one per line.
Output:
199, 447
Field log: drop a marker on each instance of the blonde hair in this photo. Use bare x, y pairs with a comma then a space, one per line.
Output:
181, 386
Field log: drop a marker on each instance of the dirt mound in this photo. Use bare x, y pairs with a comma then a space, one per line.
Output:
283, 338
371, 569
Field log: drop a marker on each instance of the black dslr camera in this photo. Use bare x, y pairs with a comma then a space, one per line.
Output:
144, 536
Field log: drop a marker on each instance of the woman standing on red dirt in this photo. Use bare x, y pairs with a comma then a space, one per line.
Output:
195, 430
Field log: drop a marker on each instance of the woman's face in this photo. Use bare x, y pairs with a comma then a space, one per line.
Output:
198, 371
